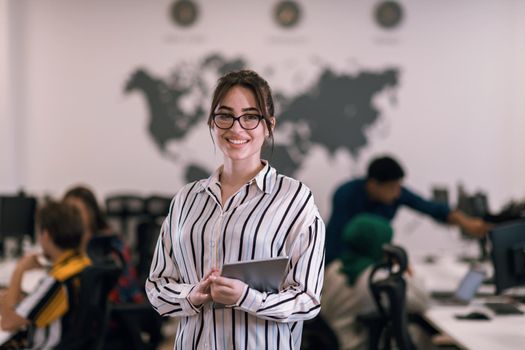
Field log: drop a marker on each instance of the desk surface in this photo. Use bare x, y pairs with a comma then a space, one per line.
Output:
501, 332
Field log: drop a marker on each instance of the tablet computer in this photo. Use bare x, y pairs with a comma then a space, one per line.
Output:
264, 275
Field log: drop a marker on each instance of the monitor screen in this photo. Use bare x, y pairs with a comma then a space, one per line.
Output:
17, 216
508, 255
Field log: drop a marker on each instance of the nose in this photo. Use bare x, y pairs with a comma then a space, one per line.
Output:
236, 125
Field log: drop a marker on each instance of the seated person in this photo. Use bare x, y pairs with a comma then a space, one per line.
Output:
346, 293
95, 224
50, 308
137, 315
381, 193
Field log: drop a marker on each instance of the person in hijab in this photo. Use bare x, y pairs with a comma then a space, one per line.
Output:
346, 294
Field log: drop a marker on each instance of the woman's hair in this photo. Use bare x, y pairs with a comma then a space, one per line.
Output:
97, 218
253, 82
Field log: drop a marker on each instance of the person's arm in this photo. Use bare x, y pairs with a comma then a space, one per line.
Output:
165, 291
474, 226
440, 212
11, 320
300, 296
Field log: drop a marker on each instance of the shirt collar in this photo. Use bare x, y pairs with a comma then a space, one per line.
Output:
265, 179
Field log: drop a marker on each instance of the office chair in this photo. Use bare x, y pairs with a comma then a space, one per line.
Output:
389, 294
156, 207
134, 326
89, 322
147, 236
124, 207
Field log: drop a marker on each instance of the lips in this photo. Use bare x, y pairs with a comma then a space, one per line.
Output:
237, 141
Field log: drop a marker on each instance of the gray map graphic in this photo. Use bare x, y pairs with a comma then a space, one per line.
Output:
333, 113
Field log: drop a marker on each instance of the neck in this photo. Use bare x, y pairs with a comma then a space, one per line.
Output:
369, 191
54, 254
240, 172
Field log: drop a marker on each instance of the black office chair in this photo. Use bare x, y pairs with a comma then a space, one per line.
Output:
138, 327
124, 207
389, 293
133, 326
101, 251
89, 322
147, 236
156, 207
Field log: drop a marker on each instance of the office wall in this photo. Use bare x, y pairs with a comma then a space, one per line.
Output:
455, 114
6, 140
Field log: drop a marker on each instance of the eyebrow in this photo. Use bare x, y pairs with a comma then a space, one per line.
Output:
248, 109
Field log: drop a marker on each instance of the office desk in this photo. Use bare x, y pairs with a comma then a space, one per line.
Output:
501, 332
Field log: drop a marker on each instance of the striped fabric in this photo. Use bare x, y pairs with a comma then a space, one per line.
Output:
47, 307
272, 215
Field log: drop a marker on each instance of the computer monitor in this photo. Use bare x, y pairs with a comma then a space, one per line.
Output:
17, 216
508, 255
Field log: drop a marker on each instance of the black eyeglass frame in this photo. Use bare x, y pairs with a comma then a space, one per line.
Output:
238, 119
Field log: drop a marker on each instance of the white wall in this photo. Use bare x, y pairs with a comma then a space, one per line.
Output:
7, 151
459, 116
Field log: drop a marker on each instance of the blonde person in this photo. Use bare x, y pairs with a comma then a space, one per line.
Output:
245, 210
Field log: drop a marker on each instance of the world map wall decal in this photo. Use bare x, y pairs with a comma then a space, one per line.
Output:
333, 113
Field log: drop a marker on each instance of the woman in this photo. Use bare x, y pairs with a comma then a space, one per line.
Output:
245, 210
95, 224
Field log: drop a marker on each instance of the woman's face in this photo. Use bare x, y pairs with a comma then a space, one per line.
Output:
236, 143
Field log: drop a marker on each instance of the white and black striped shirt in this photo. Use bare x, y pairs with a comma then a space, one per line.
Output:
272, 215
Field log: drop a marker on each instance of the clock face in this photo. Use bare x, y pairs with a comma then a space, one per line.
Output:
287, 14
388, 14
184, 12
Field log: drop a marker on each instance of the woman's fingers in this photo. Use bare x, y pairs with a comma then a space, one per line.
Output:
222, 281
204, 285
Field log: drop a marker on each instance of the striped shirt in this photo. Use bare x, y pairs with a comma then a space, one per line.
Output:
272, 215
49, 307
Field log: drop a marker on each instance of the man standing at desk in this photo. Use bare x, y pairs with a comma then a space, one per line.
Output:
382, 193
49, 307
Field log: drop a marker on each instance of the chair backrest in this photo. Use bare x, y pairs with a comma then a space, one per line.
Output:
392, 289
147, 236
157, 207
124, 207
89, 322
102, 251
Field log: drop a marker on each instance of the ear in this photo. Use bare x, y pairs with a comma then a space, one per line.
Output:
272, 126
44, 236
272, 122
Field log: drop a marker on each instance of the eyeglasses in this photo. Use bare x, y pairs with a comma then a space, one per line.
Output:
246, 121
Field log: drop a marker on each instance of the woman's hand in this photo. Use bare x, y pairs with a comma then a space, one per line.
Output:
225, 290
201, 293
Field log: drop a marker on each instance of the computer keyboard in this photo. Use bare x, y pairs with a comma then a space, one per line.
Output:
504, 308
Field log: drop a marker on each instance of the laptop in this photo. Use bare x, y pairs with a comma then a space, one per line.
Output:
465, 291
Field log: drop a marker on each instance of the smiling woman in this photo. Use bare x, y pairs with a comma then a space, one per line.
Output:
244, 211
